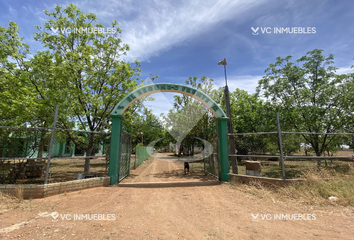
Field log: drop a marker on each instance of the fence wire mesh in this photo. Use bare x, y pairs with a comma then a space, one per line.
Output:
125, 154
20, 159
75, 154
301, 152
211, 159
141, 154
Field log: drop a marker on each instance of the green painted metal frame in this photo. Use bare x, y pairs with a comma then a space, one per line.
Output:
115, 148
167, 87
223, 149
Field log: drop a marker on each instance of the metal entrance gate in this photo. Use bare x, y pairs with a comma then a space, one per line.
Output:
212, 162
140, 92
124, 154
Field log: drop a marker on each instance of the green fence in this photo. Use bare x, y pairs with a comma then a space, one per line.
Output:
141, 154
124, 154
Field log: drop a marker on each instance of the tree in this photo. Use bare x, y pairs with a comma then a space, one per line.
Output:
190, 118
25, 95
250, 113
96, 79
149, 125
311, 97
81, 71
17, 100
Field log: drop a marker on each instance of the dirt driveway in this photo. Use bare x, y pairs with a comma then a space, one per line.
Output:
185, 212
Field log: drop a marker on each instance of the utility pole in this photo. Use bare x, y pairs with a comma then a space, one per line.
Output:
234, 163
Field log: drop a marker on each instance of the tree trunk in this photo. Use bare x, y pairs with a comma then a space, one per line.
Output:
232, 151
40, 149
315, 145
88, 153
42, 143
319, 160
179, 150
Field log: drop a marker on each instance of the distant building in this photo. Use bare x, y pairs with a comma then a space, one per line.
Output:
24, 146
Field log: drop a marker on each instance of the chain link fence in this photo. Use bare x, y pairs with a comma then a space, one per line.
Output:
288, 154
125, 154
141, 154
79, 154
75, 154
20, 159
211, 158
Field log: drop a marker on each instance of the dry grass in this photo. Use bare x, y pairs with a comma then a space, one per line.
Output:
8, 203
19, 193
316, 188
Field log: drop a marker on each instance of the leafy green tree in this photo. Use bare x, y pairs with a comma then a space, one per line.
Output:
250, 113
81, 71
189, 118
311, 97
147, 127
25, 94
17, 100
96, 79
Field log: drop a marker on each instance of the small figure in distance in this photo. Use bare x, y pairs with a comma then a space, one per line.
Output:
186, 168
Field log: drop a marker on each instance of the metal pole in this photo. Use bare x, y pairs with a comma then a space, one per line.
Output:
281, 147
129, 150
51, 144
223, 149
234, 163
136, 152
218, 154
225, 75
115, 148
353, 142
204, 159
352, 139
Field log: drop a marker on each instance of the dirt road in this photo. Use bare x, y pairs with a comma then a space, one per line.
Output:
203, 212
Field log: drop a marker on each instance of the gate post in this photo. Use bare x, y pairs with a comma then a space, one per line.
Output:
224, 151
114, 148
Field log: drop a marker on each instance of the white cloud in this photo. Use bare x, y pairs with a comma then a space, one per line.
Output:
245, 82
151, 27
250, 82
344, 70
162, 28
13, 11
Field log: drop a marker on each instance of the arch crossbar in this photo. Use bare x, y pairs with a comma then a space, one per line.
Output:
168, 87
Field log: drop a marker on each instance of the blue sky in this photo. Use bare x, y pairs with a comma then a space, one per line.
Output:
178, 39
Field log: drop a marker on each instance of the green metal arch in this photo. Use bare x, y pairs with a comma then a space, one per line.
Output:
167, 87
